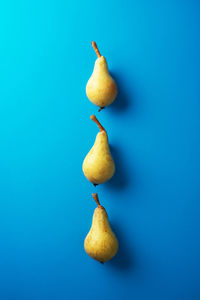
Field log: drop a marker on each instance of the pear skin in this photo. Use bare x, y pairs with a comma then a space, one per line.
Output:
101, 88
101, 243
98, 166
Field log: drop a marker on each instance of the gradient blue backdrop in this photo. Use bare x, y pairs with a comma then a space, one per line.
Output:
46, 207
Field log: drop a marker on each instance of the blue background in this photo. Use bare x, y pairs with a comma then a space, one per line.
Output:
46, 58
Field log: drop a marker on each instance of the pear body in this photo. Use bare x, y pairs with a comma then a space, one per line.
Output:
101, 243
98, 166
101, 88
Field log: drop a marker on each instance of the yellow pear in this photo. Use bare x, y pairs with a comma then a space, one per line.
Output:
98, 165
101, 243
101, 88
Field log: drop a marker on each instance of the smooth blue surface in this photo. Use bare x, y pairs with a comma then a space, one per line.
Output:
46, 58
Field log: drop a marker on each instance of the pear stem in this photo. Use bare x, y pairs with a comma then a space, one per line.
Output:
93, 118
96, 199
101, 108
94, 45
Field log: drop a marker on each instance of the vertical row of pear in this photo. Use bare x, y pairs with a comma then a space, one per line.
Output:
98, 166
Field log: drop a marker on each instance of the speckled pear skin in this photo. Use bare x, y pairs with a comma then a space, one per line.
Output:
98, 166
101, 88
101, 243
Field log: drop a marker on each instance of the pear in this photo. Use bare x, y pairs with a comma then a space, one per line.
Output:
98, 166
101, 88
101, 243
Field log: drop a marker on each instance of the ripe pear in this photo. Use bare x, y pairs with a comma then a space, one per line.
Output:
98, 165
101, 243
101, 88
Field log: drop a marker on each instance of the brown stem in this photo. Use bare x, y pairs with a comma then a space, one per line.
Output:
96, 199
101, 108
94, 45
93, 118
